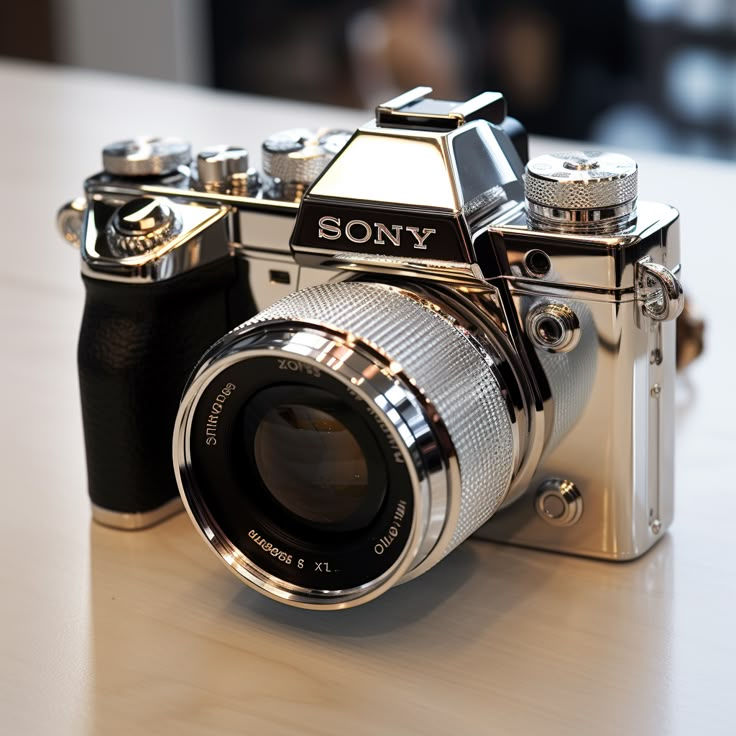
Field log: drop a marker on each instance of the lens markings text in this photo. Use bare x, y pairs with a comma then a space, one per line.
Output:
393, 531
271, 549
294, 365
215, 411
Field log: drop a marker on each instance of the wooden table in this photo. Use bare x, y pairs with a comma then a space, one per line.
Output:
106, 632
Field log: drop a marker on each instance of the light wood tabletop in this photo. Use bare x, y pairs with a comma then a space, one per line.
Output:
109, 632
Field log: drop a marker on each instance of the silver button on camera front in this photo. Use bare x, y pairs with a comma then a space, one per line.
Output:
553, 326
559, 502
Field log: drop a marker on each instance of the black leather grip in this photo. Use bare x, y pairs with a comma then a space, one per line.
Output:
137, 346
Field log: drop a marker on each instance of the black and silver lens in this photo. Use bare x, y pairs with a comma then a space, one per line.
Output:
345, 439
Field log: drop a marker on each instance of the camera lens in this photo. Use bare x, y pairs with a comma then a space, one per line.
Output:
315, 457
346, 439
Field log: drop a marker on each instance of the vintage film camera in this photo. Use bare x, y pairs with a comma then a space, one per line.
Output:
415, 340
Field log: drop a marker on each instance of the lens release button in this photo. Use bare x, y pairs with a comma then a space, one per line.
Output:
559, 502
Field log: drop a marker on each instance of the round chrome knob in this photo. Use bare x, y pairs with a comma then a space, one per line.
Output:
140, 225
70, 220
581, 191
559, 502
298, 156
218, 165
146, 156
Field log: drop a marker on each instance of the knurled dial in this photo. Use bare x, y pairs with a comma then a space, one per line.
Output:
298, 156
146, 156
581, 186
140, 225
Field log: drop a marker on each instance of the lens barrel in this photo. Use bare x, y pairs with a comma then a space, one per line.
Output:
344, 440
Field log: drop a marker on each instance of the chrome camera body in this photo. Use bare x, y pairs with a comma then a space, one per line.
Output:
402, 337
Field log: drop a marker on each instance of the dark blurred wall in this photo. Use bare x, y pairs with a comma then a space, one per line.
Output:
555, 72
560, 64
26, 30
288, 49
658, 74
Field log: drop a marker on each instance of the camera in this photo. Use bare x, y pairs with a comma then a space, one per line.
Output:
377, 345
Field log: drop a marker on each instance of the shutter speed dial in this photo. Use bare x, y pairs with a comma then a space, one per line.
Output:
146, 156
581, 191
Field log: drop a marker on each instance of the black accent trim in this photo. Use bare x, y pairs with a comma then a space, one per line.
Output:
449, 242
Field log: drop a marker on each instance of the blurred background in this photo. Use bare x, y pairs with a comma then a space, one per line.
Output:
652, 74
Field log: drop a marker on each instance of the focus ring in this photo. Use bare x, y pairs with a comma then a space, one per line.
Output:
449, 369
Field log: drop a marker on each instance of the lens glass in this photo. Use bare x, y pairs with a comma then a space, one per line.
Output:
315, 457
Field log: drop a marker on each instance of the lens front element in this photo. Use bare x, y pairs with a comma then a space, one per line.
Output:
312, 454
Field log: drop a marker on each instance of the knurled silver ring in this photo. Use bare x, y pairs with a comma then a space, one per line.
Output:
126, 246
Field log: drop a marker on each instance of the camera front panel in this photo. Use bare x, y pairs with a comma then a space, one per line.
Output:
605, 486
